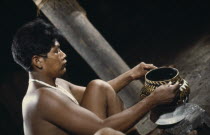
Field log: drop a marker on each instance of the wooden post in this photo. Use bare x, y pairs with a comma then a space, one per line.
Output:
70, 19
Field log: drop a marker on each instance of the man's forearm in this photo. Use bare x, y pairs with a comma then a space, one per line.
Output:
128, 118
135, 73
121, 81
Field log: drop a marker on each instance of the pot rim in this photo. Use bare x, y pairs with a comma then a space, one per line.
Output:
147, 80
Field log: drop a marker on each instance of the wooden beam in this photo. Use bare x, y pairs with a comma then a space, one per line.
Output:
70, 19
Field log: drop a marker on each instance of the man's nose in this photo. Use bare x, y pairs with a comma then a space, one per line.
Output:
63, 55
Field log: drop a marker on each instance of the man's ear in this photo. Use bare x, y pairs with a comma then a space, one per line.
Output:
37, 61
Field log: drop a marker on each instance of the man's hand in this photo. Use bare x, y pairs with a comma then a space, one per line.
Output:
141, 69
165, 93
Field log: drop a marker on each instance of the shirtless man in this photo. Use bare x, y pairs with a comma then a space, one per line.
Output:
53, 106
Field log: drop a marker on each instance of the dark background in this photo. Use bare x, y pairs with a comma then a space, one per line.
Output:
139, 30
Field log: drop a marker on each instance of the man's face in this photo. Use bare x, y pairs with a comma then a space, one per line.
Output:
55, 63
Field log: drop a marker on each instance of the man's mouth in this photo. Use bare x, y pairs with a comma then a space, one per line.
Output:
64, 64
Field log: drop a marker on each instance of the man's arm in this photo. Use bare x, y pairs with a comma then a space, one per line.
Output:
135, 73
78, 120
117, 83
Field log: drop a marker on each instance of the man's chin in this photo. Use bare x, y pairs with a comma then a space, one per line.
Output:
63, 71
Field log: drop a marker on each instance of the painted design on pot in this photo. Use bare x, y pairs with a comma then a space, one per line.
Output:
161, 76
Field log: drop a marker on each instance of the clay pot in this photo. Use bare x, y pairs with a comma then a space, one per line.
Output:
156, 77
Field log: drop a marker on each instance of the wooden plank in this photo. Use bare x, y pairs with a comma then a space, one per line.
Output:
70, 19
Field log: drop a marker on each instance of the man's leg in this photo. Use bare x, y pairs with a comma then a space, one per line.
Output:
101, 99
108, 131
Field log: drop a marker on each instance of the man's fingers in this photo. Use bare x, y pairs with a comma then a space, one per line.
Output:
149, 66
175, 87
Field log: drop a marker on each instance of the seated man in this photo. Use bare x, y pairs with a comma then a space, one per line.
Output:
53, 106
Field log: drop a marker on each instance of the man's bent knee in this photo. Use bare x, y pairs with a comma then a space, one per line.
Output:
101, 98
99, 85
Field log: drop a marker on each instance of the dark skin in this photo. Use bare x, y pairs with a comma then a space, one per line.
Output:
50, 112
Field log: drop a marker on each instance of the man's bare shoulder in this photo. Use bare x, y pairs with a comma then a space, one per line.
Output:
42, 100
45, 107
33, 98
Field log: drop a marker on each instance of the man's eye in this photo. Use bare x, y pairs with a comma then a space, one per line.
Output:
57, 50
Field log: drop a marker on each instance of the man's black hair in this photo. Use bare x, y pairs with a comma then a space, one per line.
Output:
34, 38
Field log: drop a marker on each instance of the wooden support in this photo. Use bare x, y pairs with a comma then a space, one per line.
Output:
71, 20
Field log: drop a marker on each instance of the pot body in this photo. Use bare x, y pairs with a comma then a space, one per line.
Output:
161, 76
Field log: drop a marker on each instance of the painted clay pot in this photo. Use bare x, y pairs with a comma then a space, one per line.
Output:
160, 76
